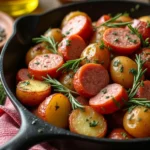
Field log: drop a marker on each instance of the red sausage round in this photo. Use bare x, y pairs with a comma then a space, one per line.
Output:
144, 91
23, 74
102, 19
109, 99
45, 64
145, 56
90, 79
80, 25
142, 28
71, 47
121, 40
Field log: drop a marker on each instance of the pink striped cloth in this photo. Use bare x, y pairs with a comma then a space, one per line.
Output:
10, 123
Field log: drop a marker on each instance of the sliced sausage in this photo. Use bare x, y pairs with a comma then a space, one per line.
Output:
102, 19
23, 74
46, 64
90, 79
119, 134
142, 28
71, 47
82, 100
144, 90
80, 25
109, 99
145, 56
121, 40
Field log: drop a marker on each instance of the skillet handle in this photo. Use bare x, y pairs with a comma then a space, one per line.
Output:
32, 131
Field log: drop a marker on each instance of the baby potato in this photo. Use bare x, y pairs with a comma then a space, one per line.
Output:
32, 92
67, 80
98, 34
124, 18
55, 33
137, 122
71, 15
94, 54
55, 110
38, 49
145, 18
92, 123
122, 69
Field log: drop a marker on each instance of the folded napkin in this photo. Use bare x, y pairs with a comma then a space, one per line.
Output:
10, 123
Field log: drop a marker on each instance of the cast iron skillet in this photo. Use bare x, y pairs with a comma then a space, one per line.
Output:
33, 130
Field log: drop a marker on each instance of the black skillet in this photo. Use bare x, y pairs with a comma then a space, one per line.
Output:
34, 130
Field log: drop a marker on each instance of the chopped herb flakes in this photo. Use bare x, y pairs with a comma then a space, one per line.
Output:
133, 71
25, 83
115, 33
93, 123
124, 134
116, 63
56, 106
37, 63
116, 40
104, 91
121, 68
68, 42
107, 97
116, 102
102, 45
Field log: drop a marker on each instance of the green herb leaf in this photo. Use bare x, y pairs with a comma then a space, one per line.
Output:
71, 65
52, 45
93, 123
58, 87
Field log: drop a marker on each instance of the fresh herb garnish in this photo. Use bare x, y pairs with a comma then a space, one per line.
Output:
71, 65
93, 123
110, 23
52, 45
133, 102
58, 87
145, 43
116, 63
102, 45
68, 42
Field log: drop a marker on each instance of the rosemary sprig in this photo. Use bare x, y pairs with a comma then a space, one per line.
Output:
58, 87
145, 43
110, 23
52, 45
137, 82
2, 94
115, 25
71, 65
111, 20
137, 77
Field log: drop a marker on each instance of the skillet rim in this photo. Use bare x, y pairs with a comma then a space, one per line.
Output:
20, 107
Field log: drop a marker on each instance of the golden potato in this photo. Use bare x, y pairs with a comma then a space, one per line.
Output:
67, 80
145, 18
98, 34
137, 122
55, 33
38, 49
121, 70
95, 54
55, 110
71, 15
32, 92
87, 122
124, 18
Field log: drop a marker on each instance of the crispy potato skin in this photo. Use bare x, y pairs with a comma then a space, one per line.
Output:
79, 118
55, 110
120, 70
32, 92
137, 122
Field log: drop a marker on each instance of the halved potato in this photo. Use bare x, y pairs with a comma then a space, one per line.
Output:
55, 110
87, 122
32, 92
